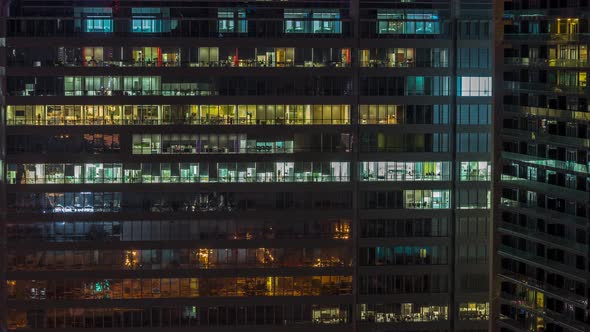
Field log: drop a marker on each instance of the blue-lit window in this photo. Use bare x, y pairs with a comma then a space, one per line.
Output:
149, 20
322, 21
399, 22
441, 114
326, 21
94, 19
98, 24
474, 114
473, 142
297, 21
232, 20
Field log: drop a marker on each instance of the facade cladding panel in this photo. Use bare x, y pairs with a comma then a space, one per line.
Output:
257, 166
541, 262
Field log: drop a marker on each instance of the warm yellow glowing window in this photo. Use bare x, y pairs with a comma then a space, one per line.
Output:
540, 324
567, 26
423, 253
540, 300
147, 54
582, 79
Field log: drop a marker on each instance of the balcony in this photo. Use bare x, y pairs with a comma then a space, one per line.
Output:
259, 172
550, 163
570, 194
543, 135
240, 63
558, 267
546, 87
538, 62
533, 234
514, 324
298, 90
545, 36
101, 115
530, 207
548, 314
182, 27
544, 287
542, 112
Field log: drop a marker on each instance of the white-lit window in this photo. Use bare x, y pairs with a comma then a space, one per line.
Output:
474, 86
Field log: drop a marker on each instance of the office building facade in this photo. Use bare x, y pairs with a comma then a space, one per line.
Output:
543, 188
261, 165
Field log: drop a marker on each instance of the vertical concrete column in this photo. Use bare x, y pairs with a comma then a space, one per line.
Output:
354, 8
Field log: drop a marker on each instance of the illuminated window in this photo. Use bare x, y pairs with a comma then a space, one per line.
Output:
567, 26
415, 85
159, 114
399, 22
404, 171
322, 21
208, 56
427, 199
326, 314
474, 86
427, 86
474, 311
297, 21
381, 114
151, 20
402, 312
326, 21
476, 171
232, 20
179, 172
146, 20
94, 19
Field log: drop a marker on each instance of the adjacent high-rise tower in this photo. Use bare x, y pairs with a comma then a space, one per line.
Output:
245, 165
542, 222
